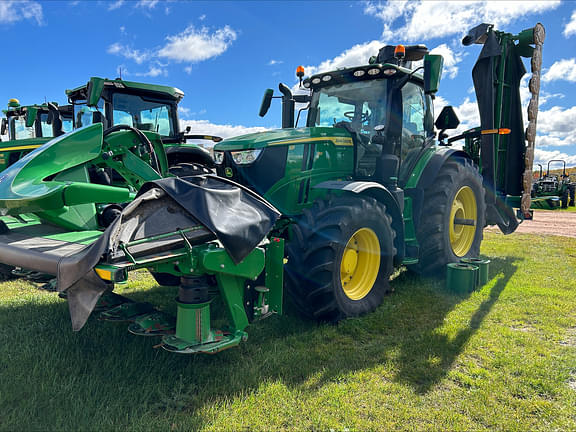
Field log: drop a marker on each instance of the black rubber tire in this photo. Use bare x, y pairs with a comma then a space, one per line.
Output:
189, 169
565, 198
315, 250
166, 279
432, 231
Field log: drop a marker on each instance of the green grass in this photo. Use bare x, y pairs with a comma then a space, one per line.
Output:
503, 357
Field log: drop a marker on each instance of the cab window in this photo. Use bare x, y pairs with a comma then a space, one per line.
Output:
414, 110
144, 114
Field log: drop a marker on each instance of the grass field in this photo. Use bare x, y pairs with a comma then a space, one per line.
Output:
502, 358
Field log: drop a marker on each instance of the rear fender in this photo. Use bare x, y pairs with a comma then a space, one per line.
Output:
394, 203
428, 177
191, 154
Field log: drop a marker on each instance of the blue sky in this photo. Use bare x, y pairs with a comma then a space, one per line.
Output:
224, 54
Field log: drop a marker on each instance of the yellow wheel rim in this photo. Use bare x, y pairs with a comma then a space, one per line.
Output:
360, 264
464, 211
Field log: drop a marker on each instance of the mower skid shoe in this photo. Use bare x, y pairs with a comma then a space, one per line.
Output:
110, 300
219, 341
153, 324
127, 312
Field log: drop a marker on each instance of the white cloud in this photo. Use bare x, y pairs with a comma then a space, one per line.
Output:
149, 4
564, 69
556, 127
274, 62
12, 11
224, 131
570, 28
543, 156
194, 45
117, 4
129, 53
357, 55
153, 71
429, 19
451, 59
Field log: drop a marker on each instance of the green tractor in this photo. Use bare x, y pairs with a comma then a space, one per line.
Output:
30, 126
553, 188
146, 107
365, 187
369, 184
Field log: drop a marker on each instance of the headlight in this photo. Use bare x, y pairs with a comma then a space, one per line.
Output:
245, 157
218, 157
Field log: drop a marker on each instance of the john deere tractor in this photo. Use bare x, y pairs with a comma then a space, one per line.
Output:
553, 186
369, 184
30, 126
146, 107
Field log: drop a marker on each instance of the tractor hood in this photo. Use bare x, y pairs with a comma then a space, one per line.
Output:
24, 186
339, 136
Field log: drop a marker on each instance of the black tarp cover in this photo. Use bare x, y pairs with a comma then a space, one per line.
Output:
237, 217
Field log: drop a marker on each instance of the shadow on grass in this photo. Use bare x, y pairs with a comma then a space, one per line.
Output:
426, 358
104, 377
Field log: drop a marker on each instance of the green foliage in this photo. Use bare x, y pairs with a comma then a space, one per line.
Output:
503, 358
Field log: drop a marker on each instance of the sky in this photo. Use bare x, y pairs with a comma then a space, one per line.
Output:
224, 54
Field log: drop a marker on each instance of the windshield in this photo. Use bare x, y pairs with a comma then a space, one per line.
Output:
83, 114
17, 128
46, 128
144, 114
362, 105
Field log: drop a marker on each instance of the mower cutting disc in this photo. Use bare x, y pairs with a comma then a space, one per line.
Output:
153, 324
127, 312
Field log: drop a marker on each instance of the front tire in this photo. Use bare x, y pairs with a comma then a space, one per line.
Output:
452, 202
340, 257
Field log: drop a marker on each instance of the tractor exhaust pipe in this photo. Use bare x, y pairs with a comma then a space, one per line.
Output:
288, 105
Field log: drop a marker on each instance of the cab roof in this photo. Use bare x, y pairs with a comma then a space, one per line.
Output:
173, 92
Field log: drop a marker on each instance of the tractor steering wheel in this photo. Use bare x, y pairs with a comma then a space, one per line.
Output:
350, 115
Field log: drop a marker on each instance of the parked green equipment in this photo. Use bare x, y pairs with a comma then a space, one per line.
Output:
146, 107
552, 189
30, 126
364, 187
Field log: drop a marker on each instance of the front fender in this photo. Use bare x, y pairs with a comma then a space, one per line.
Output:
394, 202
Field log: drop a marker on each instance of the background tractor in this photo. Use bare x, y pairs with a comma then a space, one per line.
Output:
554, 185
369, 184
29, 126
146, 107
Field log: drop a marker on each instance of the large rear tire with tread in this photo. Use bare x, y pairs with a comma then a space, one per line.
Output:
340, 258
456, 196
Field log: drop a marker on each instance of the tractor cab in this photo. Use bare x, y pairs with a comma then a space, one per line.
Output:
145, 107
369, 123
384, 107
47, 120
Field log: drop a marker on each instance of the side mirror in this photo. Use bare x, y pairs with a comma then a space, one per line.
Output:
94, 91
266, 101
31, 114
97, 117
4, 126
432, 72
447, 119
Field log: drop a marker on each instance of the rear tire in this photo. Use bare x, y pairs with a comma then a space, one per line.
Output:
340, 257
456, 193
572, 189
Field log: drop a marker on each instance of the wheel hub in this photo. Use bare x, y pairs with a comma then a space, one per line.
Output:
360, 264
464, 208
